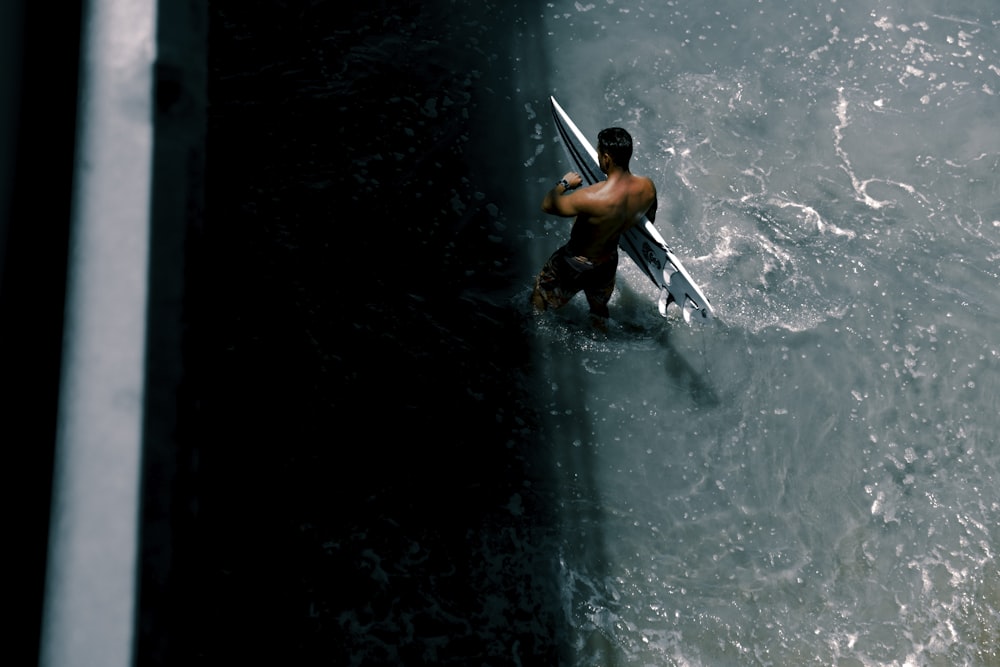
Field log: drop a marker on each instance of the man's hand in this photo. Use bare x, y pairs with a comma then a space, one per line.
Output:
574, 179
560, 200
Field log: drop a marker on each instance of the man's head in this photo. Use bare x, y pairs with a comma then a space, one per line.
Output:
617, 144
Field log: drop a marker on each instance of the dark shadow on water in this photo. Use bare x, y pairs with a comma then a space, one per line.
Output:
366, 483
685, 364
687, 368
564, 389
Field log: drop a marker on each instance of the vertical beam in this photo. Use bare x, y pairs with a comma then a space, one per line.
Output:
90, 583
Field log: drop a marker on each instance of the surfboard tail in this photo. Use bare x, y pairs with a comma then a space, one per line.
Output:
693, 304
689, 309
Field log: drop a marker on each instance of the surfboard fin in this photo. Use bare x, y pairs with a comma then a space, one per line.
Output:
688, 308
687, 300
691, 308
666, 298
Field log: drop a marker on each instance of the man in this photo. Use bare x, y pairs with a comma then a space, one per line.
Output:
603, 212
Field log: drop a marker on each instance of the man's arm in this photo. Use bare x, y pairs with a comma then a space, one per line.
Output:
558, 202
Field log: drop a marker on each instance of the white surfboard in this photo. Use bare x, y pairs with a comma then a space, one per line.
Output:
642, 242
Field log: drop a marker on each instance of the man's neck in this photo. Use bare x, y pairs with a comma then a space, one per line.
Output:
616, 172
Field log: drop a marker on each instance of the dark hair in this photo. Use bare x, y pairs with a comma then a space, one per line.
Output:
617, 143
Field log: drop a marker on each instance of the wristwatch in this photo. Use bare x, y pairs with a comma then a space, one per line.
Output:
563, 182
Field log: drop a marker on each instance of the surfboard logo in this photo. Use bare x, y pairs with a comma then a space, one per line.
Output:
647, 252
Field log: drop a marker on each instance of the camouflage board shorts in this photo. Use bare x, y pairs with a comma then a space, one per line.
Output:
564, 275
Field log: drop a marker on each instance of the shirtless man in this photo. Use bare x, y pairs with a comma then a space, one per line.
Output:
603, 211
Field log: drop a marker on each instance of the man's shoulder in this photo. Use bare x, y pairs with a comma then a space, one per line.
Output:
645, 182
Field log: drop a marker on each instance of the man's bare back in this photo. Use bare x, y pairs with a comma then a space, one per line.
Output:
604, 211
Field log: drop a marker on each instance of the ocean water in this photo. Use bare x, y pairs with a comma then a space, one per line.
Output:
812, 479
